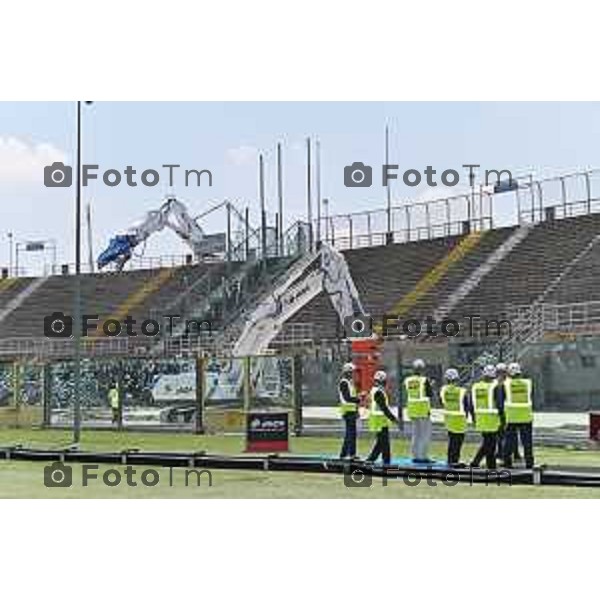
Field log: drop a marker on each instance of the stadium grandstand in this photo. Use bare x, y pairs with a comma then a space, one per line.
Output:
530, 273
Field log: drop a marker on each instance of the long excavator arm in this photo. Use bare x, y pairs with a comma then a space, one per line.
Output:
172, 214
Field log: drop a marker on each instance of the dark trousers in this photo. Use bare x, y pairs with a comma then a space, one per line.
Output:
349, 445
382, 446
115, 415
455, 442
514, 431
487, 450
502, 444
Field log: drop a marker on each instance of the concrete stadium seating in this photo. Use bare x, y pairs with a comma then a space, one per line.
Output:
534, 265
105, 294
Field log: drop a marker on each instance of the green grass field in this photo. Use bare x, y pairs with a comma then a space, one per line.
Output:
20, 479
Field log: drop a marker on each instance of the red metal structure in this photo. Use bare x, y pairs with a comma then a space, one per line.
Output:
366, 355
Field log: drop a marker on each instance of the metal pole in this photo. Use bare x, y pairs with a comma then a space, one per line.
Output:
77, 292
10, 253
246, 233
326, 210
53, 256
318, 192
388, 239
89, 240
308, 195
350, 231
228, 236
280, 196
481, 226
532, 194
588, 190
263, 214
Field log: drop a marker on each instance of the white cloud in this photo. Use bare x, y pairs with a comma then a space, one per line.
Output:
243, 155
22, 161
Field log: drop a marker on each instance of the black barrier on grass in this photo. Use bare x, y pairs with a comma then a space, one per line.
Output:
562, 476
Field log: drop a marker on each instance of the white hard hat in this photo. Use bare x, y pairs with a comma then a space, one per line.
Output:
514, 369
348, 367
489, 371
380, 376
451, 374
418, 363
501, 367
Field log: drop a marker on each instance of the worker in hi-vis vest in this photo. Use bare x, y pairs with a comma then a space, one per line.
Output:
457, 408
518, 411
380, 419
115, 403
501, 377
418, 393
487, 400
348, 407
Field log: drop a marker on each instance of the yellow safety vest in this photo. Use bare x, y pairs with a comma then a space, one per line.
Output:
487, 418
452, 397
377, 418
418, 404
518, 405
113, 397
347, 407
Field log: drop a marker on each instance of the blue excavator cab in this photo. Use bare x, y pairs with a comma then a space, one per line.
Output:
119, 250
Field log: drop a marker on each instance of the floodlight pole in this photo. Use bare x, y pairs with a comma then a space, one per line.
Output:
77, 288
10, 256
309, 196
280, 197
318, 182
389, 236
263, 211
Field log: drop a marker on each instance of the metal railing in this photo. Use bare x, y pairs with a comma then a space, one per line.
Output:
564, 317
442, 217
295, 335
41, 348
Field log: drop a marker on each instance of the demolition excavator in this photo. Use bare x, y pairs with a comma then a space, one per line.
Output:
173, 214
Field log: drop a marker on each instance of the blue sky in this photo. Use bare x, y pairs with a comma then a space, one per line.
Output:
226, 138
